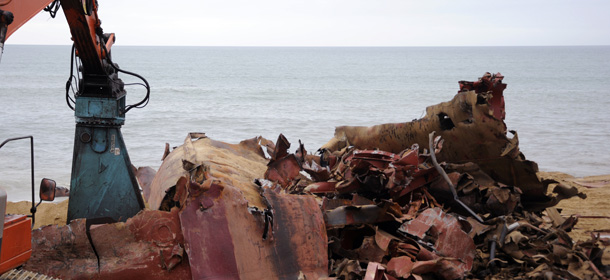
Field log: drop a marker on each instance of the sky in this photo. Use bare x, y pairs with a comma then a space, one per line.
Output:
338, 23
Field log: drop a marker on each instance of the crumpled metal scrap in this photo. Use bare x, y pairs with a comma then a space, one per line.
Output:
533, 246
473, 121
217, 224
234, 227
390, 214
374, 205
147, 246
368, 197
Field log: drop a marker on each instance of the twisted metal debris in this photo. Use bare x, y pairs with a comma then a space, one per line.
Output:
383, 202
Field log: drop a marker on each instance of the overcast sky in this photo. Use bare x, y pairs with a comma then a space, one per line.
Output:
339, 23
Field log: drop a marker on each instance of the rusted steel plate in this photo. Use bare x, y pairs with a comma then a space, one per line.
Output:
283, 170
233, 228
224, 239
321, 187
235, 164
376, 271
147, 246
448, 238
401, 266
145, 176
317, 172
489, 83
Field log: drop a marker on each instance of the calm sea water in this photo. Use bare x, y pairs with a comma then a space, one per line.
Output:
557, 99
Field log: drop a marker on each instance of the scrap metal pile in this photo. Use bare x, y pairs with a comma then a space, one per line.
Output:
396, 216
393, 212
448, 196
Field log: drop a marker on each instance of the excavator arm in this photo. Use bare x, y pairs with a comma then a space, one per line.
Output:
102, 184
85, 27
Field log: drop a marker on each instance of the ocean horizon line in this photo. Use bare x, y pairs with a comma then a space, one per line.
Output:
324, 46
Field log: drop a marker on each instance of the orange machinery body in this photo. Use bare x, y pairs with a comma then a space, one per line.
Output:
23, 10
16, 242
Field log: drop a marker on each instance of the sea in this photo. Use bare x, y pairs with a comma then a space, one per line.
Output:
557, 99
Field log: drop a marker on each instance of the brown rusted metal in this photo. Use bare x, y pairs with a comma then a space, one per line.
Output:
145, 175
317, 172
225, 239
376, 271
284, 167
234, 228
448, 239
147, 246
473, 121
236, 164
348, 215
360, 214
283, 170
379, 172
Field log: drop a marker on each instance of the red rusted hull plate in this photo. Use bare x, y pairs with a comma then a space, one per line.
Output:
233, 228
224, 240
449, 241
283, 170
147, 246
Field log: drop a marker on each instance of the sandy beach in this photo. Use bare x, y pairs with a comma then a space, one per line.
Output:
594, 211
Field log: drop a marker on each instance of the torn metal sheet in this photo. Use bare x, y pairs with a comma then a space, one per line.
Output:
376, 173
233, 227
283, 167
348, 269
359, 213
145, 176
147, 246
534, 246
317, 172
376, 271
226, 240
283, 170
235, 164
395, 187
476, 190
445, 234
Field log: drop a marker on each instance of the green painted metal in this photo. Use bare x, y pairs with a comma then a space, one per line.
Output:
103, 182
103, 110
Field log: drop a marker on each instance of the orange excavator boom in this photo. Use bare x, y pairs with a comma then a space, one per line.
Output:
22, 10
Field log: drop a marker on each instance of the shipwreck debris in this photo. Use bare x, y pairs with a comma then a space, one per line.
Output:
473, 121
376, 203
144, 247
